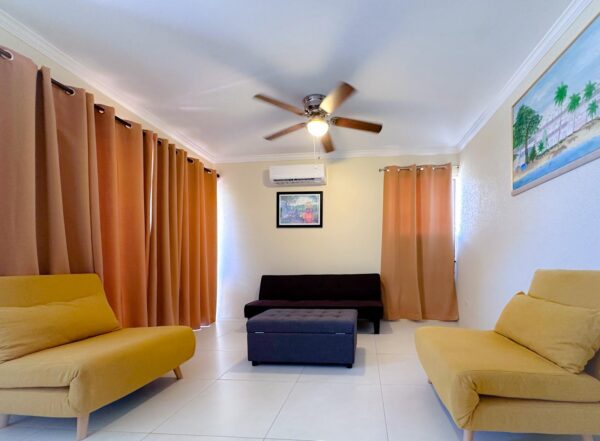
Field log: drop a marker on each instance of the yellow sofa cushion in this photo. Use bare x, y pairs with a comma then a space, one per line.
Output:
463, 364
28, 329
566, 335
101, 369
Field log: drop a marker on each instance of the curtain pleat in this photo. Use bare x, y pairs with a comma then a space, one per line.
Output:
417, 254
210, 203
184, 238
74, 150
109, 205
197, 288
94, 190
150, 187
180, 195
18, 91
436, 241
53, 255
130, 184
83, 192
164, 304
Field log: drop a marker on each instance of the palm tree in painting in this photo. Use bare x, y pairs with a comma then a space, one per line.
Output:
559, 98
589, 90
574, 102
588, 93
525, 127
592, 109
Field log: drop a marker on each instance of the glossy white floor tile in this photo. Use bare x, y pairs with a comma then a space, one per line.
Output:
16, 433
384, 397
400, 369
162, 437
209, 364
230, 408
332, 412
414, 412
243, 370
147, 414
364, 371
68, 435
232, 341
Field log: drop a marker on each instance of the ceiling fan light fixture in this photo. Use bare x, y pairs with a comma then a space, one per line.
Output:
317, 126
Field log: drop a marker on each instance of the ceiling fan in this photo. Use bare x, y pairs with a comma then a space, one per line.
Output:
318, 110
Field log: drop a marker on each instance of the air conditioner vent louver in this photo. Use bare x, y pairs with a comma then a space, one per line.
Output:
298, 174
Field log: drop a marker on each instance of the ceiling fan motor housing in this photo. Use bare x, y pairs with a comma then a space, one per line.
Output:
312, 103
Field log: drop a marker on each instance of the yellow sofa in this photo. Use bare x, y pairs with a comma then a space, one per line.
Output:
78, 377
490, 383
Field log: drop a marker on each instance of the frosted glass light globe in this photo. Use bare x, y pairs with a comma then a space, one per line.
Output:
317, 126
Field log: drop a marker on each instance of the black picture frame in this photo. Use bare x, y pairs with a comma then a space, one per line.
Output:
310, 218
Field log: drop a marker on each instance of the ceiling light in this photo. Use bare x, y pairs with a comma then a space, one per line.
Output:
317, 126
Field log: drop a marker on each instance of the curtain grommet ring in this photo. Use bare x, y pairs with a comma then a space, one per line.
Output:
6, 54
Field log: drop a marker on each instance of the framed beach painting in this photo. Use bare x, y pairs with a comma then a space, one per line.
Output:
299, 209
556, 123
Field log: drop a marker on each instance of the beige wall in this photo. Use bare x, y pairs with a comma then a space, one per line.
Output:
504, 238
349, 242
65, 76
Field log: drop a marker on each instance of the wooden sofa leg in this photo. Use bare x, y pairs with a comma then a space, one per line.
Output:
82, 426
3, 420
468, 435
177, 372
587, 437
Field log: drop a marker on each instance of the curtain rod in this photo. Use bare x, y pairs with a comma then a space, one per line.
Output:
419, 167
191, 160
70, 91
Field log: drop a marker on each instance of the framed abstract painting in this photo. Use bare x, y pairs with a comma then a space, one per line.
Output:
300, 209
556, 123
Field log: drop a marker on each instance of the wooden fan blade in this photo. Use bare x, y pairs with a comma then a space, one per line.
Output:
327, 143
280, 104
336, 97
356, 124
285, 131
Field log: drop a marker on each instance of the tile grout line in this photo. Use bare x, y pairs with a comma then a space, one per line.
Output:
387, 433
284, 402
182, 406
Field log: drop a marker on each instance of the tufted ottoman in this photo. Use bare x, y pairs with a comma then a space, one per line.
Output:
320, 336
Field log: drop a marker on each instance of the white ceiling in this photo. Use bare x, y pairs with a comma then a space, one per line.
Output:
426, 69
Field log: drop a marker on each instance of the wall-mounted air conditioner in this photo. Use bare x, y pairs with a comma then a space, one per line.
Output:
297, 174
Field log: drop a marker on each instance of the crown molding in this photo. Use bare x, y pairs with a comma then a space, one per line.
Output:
338, 154
39, 43
558, 29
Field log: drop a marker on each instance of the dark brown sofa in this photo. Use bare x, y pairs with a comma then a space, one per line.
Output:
361, 292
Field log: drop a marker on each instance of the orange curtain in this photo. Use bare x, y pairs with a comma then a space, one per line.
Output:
83, 191
121, 159
210, 220
186, 235
50, 220
417, 254
150, 200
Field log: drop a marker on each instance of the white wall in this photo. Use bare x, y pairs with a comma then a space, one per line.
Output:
504, 238
349, 242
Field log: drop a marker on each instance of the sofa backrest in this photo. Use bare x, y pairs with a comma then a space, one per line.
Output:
42, 312
321, 287
39, 290
570, 287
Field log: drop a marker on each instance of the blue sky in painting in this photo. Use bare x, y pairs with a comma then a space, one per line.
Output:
577, 65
